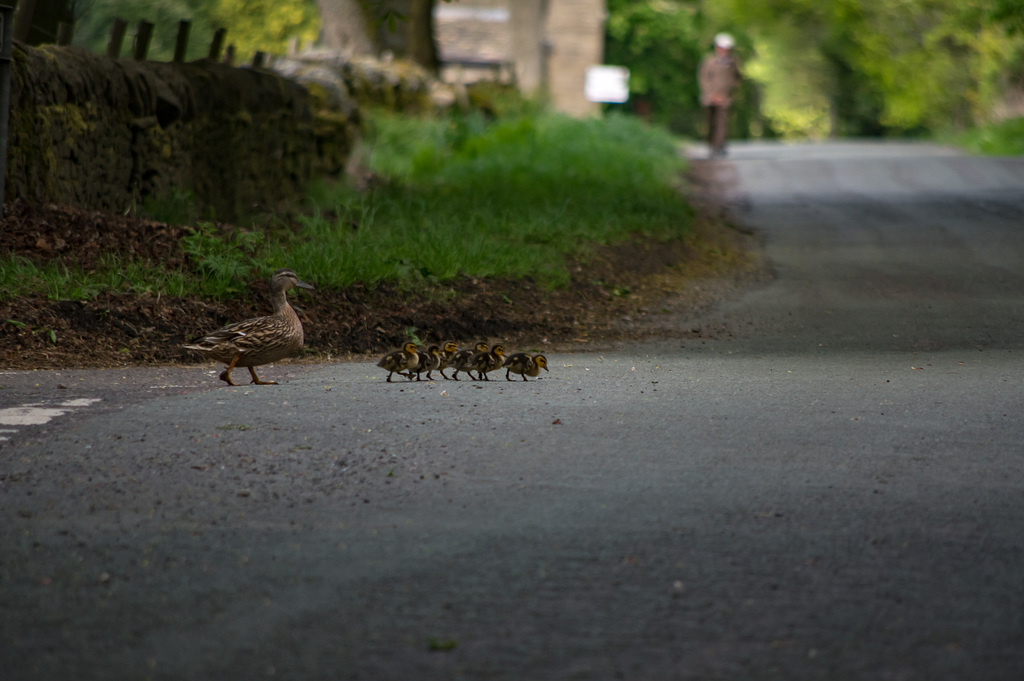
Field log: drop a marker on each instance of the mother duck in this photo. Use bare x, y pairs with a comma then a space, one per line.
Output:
261, 340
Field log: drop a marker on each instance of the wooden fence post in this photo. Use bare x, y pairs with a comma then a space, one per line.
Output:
23, 16
116, 39
143, 36
217, 44
181, 46
258, 59
65, 33
229, 55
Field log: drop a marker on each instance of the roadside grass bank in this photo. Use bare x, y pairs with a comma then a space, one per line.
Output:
436, 198
1005, 138
540, 232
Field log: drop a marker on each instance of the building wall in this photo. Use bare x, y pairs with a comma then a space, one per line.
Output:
550, 42
575, 35
529, 44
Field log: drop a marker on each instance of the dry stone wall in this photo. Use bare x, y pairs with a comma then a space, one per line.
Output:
108, 133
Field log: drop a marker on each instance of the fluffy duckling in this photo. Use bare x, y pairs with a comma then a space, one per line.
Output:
261, 340
429, 360
448, 352
522, 363
486, 362
398, 361
462, 359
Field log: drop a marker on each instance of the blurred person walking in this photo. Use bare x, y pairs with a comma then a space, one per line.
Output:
718, 76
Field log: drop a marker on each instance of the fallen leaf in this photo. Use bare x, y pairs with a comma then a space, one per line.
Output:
442, 646
556, 422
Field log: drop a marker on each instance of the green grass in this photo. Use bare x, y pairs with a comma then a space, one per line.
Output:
999, 139
512, 199
517, 197
20, 276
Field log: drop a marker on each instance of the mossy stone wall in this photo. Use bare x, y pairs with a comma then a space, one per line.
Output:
107, 133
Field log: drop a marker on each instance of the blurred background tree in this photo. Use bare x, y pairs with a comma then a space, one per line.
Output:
403, 27
661, 44
815, 68
880, 67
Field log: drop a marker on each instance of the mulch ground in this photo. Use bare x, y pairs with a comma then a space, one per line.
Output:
612, 296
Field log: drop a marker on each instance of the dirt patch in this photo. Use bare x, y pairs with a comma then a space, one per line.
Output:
625, 291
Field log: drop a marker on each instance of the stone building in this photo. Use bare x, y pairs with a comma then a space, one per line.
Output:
546, 46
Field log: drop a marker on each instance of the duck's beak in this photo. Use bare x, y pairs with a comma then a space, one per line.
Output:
302, 284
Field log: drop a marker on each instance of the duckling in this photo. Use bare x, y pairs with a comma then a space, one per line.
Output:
462, 358
522, 363
448, 353
429, 360
260, 340
401, 360
486, 362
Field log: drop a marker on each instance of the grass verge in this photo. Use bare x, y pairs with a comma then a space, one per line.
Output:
1005, 138
519, 197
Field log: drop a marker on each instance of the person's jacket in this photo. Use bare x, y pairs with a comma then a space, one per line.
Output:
719, 74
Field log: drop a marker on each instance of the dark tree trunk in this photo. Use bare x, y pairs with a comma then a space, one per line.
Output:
421, 46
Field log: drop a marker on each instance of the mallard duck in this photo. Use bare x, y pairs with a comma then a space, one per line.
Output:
261, 340
522, 363
429, 360
401, 360
463, 357
448, 352
486, 362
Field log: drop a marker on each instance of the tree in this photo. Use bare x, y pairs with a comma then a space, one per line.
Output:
404, 27
882, 66
660, 43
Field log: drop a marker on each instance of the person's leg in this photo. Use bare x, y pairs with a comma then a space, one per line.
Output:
711, 127
721, 126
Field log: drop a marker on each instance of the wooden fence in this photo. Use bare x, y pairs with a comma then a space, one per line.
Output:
33, 21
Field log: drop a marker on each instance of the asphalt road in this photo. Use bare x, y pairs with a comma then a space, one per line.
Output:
832, 487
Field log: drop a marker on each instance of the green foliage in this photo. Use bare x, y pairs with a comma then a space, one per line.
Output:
1000, 139
224, 263
178, 207
20, 276
1009, 14
267, 24
514, 198
856, 67
661, 43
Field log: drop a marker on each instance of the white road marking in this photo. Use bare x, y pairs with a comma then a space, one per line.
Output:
38, 414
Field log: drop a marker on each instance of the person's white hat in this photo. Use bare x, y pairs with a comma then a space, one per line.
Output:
725, 41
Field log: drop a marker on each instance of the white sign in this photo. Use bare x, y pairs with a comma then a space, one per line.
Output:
607, 84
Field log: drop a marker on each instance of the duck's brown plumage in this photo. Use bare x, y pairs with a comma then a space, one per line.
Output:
430, 359
262, 340
485, 362
462, 359
398, 361
448, 352
526, 365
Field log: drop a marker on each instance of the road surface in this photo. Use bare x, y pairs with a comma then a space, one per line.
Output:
830, 487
